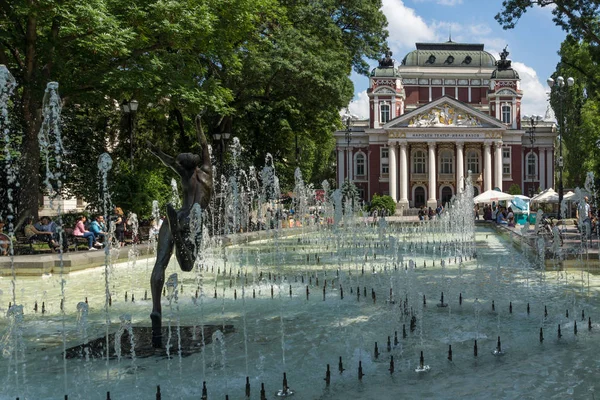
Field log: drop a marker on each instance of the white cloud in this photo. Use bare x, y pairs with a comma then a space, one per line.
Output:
405, 27
534, 92
450, 3
360, 105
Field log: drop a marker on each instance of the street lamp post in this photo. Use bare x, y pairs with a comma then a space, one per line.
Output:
561, 90
221, 141
129, 108
532, 121
348, 118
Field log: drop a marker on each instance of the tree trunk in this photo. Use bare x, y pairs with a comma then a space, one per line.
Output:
29, 179
30, 165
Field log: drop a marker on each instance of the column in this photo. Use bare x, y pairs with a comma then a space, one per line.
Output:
498, 115
487, 167
543, 168
432, 202
393, 169
549, 165
498, 159
376, 113
513, 113
404, 175
340, 167
460, 167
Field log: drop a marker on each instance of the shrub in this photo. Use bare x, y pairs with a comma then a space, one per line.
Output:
381, 203
514, 189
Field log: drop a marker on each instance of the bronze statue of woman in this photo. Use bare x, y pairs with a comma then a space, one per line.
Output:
197, 183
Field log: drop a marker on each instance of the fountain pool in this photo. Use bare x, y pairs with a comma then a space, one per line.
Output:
276, 332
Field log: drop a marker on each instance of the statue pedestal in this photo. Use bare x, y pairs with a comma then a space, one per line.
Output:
402, 206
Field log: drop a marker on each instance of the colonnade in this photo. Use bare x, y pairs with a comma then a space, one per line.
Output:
399, 159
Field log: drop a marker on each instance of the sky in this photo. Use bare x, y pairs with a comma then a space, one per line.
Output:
533, 44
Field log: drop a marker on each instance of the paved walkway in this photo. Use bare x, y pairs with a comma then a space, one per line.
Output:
572, 252
39, 264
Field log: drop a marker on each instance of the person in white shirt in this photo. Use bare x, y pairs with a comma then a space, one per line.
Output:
585, 218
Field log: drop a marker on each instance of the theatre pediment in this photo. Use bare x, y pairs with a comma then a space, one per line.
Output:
445, 112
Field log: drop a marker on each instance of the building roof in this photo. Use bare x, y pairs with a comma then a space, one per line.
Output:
449, 54
385, 72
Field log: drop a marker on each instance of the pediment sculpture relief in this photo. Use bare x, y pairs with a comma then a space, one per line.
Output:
444, 115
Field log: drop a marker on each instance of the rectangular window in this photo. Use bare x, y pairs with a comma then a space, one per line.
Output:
506, 164
360, 165
506, 114
385, 161
473, 162
532, 166
79, 202
385, 113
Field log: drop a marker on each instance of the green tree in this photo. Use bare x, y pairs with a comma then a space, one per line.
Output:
101, 50
380, 203
267, 71
577, 108
579, 18
514, 189
293, 82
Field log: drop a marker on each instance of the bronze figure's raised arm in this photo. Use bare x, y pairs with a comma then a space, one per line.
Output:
196, 177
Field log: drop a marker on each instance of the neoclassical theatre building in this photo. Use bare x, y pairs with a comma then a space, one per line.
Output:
447, 109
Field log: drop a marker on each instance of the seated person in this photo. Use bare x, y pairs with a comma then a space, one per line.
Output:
32, 233
500, 218
47, 225
510, 217
98, 228
80, 231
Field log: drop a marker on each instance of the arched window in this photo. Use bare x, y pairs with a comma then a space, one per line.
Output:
359, 164
446, 162
385, 113
506, 114
532, 169
473, 161
419, 162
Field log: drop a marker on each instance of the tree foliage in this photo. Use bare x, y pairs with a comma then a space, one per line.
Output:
381, 203
267, 71
576, 107
514, 189
579, 18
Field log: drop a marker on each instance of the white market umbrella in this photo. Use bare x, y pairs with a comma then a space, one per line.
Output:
491, 196
569, 195
547, 196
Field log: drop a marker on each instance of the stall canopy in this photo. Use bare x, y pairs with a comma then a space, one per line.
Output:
547, 196
570, 196
491, 196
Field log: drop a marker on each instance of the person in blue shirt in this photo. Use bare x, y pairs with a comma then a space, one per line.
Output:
98, 228
500, 219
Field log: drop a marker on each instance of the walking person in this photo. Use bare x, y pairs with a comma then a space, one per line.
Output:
585, 219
